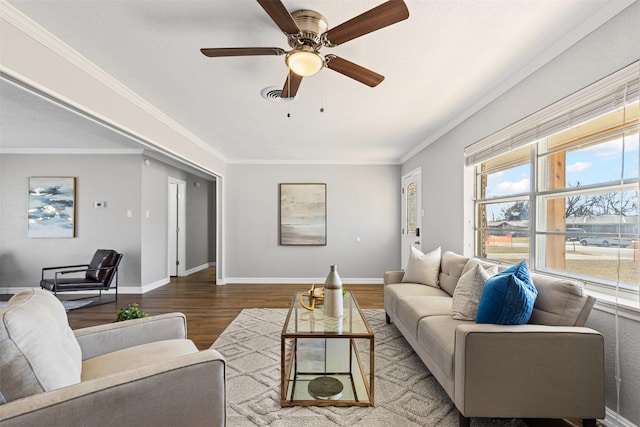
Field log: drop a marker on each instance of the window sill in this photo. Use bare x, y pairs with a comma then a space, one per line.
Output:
625, 306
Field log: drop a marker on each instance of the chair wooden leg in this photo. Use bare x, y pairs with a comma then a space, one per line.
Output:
589, 422
463, 421
387, 318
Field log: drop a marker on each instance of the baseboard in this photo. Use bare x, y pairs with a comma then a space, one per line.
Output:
199, 268
11, 291
122, 290
613, 419
298, 280
154, 285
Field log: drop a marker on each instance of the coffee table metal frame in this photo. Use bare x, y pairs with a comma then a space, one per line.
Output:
303, 326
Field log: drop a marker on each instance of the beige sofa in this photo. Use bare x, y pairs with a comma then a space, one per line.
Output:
137, 372
552, 367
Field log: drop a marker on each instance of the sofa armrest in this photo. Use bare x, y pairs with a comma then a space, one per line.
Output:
97, 340
529, 371
185, 390
393, 277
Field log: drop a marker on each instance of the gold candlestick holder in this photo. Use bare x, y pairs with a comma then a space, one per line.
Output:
315, 296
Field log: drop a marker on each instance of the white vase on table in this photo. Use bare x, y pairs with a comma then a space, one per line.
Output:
333, 293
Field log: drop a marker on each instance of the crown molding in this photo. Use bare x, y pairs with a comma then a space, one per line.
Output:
607, 12
25, 24
314, 162
67, 151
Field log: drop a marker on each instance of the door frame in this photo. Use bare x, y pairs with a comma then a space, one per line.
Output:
407, 241
180, 206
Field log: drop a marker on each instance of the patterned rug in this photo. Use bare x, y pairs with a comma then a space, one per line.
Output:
406, 394
68, 305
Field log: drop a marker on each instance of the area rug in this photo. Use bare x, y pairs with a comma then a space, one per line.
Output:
68, 305
406, 394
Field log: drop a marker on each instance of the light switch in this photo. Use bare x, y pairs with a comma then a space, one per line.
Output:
129, 214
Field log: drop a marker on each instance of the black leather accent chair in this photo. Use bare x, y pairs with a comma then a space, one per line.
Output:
98, 275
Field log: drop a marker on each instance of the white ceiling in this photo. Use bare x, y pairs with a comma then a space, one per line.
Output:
441, 65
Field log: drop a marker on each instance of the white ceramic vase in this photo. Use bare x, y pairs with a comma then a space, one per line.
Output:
333, 293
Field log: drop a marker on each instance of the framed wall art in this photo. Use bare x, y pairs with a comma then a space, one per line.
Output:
52, 206
303, 214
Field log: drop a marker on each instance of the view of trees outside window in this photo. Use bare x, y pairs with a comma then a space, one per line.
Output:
581, 218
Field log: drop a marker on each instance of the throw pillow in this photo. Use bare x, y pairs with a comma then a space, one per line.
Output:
423, 268
466, 295
508, 297
38, 350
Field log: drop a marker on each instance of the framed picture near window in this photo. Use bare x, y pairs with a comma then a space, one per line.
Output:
303, 214
52, 207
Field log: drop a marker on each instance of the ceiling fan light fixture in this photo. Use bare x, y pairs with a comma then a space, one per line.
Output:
305, 61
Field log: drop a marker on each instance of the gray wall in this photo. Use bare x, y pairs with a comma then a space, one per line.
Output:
362, 201
125, 183
629, 349
609, 48
155, 181
98, 178
198, 224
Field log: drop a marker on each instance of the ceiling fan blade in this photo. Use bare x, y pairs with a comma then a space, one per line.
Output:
241, 51
280, 15
379, 17
291, 85
355, 71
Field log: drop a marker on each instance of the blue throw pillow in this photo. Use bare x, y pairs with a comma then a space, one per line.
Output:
508, 297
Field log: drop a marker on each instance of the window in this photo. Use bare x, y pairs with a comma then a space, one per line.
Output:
503, 206
560, 188
412, 210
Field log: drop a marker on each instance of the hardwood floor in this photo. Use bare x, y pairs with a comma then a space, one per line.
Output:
209, 308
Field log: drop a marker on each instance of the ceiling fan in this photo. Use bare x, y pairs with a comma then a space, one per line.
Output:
307, 31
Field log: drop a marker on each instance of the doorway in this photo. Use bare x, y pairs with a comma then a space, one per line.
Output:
176, 228
411, 214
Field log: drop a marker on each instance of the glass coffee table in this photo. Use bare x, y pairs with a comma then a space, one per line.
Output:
321, 361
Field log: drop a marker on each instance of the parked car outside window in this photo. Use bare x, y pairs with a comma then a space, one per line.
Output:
605, 241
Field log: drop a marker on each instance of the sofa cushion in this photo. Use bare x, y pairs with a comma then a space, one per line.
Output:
423, 268
466, 296
412, 309
393, 293
135, 357
560, 302
436, 336
508, 297
451, 269
38, 350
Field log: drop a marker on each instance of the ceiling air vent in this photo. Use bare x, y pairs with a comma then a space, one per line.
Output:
272, 93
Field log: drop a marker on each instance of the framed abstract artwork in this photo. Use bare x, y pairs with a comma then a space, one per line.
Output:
52, 206
303, 214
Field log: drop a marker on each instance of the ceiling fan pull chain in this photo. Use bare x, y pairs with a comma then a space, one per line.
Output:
322, 93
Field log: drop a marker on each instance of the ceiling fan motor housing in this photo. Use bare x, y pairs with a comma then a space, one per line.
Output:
312, 25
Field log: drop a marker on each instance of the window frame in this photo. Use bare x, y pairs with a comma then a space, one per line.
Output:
504, 143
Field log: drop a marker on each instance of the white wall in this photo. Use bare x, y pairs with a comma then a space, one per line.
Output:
609, 48
362, 201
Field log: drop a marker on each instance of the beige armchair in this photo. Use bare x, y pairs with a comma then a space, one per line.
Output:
137, 372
